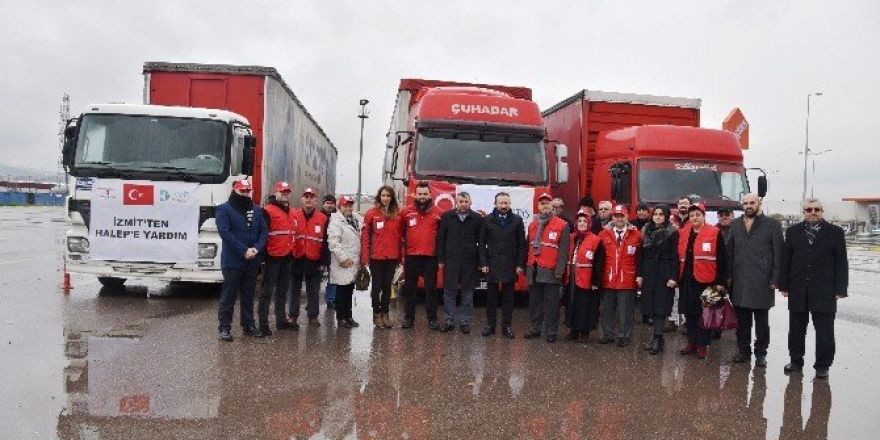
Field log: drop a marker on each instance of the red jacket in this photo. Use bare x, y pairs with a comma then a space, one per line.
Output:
380, 237
621, 261
310, 234
420, 230
583, 260
282, 230
550, 238
705, 252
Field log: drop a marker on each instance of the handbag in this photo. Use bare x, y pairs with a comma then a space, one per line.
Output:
362, 279
719, 317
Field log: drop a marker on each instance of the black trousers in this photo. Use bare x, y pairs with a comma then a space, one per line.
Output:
242, 283
659, 324
313, 291
276, 283
381, 273
506, 292
746, 317
696, 334
823, 323
343, 301
416, 266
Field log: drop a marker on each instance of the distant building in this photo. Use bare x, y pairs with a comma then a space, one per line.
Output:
867, 212
30, 193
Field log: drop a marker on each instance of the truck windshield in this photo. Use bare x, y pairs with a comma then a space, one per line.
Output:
147, 143
667, 180
506, 158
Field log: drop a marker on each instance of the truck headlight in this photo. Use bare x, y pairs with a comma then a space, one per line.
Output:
78, 244
207, 250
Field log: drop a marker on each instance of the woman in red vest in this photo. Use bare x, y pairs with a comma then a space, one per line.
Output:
584, 279
380, 250
703, 259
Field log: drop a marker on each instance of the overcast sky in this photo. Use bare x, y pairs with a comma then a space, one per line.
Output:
764, 57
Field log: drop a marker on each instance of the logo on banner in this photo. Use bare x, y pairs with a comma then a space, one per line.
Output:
134, 194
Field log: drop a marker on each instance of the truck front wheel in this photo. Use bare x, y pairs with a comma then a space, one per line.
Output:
111, 282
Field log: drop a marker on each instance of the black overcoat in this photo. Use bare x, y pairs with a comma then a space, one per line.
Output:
814, 275
658, 265
503, 249
458, 249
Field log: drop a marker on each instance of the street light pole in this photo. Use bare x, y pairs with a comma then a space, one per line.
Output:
807, 143
363, 116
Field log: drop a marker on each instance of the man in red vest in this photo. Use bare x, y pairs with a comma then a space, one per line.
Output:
419, 224
622, 244
547, 256
311, 256
279, 258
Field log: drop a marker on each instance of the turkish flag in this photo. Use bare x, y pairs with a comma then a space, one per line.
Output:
133, 194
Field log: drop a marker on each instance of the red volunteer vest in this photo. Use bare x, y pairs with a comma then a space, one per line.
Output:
549, 243
420, 230
582, 261
309, 235
705, 252
619, 272
380, 237
282, 231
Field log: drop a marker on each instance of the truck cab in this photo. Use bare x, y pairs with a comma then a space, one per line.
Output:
660, 163
152, 143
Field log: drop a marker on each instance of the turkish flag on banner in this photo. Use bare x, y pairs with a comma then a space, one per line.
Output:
133, 194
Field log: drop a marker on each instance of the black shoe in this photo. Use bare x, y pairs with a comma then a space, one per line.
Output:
792, 368
292, 326
265, 330
447, 327
742, 357
433, 325
352, 323
551, 339
225, 335
657, 345
465, 329
606, 340
571, 335
760, 361
821, 373
252, 331
623, 342
532, 334
488, 331
407, 323
507, 332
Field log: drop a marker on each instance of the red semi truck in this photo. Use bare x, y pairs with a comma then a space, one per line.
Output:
477, 138
631, 148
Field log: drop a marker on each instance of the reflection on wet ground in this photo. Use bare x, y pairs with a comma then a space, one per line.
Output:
145, 363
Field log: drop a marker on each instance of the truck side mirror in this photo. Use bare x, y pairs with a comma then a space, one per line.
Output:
561, 166
248, 155
762, 186
68, 150
390, 164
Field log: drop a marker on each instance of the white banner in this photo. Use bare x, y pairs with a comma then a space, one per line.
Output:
144, 221
483, 199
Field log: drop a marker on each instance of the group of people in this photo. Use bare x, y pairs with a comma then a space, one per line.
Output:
594, 265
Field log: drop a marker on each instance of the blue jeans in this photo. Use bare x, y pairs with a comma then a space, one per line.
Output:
242, 280
330, 293
464, 311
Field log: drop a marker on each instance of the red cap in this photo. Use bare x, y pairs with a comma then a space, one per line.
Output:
242, 184
343, 200
701, 206
545, 195
619, 210
310, 191
283, 187
583, 213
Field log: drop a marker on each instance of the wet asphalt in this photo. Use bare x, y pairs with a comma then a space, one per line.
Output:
144, 362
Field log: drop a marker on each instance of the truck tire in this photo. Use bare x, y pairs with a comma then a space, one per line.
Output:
111, 282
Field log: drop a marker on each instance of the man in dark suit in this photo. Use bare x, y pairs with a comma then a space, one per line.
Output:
502, 259
458, 241
814, 274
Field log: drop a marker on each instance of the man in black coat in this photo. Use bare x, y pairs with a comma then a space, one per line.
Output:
814, 274
458, 239
502, 258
